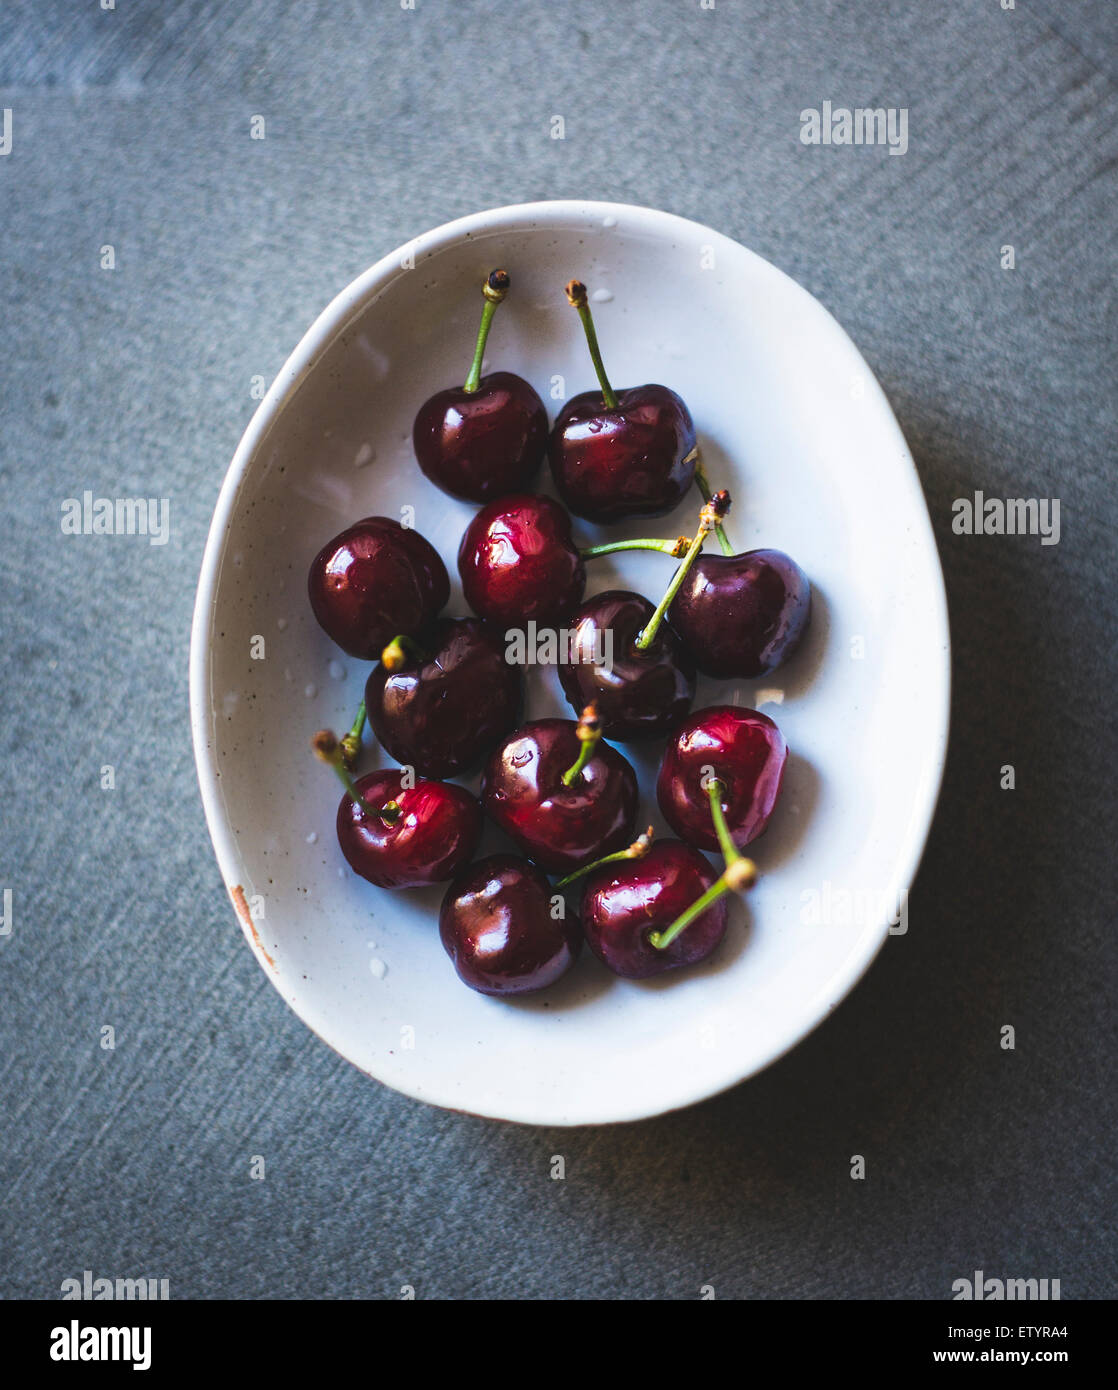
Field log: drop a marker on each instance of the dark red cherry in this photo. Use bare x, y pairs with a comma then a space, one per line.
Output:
488, 437
409, 836
374, 580
440, 707
639, 694
623, 902
482, 445
519, 563
617, 454
742, 615
742, 748
499, 928
559, 824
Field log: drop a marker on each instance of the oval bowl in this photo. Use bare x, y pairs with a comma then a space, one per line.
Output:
791, 419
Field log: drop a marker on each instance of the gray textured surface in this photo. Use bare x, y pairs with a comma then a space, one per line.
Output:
130, 127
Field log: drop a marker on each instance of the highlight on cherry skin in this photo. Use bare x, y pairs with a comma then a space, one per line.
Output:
373, 580
505, 929
399, 831
487, 437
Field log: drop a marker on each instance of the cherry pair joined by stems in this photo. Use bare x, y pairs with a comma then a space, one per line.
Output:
488, 436
738, 614
625, 657
398, 831
659, 906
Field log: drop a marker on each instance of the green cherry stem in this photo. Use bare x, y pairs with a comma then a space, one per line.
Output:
709, 517
589, 732
576, 297
398, 652
495, 288
351, 742
329, 750
736, 878
715, 791
637, 850
676, 548
740, 873
702, 482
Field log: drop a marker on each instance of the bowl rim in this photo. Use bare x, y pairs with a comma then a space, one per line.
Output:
328, 325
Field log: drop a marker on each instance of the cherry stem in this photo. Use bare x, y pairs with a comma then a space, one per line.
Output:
576, 296
702, 482
329, 750
738, 876
589, 732
717, 507
398, 651
637, 850
391, 812
716, 790
494, 289
676, 548
351, 743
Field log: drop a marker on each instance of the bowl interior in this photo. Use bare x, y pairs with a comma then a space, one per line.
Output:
790, 419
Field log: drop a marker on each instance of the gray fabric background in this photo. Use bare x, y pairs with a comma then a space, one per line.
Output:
130, 127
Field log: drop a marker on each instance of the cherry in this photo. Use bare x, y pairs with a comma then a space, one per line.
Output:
742, 615
487, 437
498, 927
398, 834
518, 562
620, 454
644, 680
743, 749
639, 694
624, 904
439, 708
373, 580
559, 794
634, 915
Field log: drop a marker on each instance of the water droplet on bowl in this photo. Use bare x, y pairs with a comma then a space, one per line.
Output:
281, 623
337, 670
312, 838
364, 456
609, 221
311, 691
602, 296
377, 968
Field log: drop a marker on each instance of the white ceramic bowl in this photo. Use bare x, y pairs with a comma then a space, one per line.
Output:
792, 421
